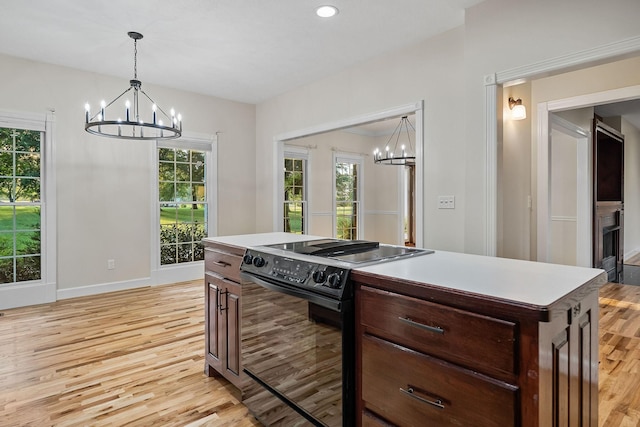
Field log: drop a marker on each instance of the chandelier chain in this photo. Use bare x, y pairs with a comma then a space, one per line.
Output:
135, 59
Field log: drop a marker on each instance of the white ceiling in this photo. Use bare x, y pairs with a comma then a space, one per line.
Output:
244, 50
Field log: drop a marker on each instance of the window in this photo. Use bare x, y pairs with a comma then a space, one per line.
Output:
20, 205
295, 184
347, 197
294, 195
183, 204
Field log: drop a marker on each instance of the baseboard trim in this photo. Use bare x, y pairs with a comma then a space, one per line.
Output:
23, 294
101, 288
27, 294
630, 254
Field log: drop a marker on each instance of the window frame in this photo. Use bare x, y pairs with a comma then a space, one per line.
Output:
357, 159
298, 153
192, 270
44, 290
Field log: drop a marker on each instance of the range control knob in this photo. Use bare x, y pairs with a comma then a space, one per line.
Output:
334, 280
248, 259
319, 276
258, 261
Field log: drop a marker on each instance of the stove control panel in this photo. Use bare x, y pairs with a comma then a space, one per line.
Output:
325, 279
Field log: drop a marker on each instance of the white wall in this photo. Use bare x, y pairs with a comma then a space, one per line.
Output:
448, 72
103, 185
432, 71
514, 177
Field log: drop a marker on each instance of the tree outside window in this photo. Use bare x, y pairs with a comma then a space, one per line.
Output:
347, 202
20, 205
294, 195
183, 205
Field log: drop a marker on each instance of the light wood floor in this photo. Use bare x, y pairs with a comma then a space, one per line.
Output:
132, 357
136, 358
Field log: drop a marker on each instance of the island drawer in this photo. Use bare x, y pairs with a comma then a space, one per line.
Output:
408, 388
472, 340
223, 263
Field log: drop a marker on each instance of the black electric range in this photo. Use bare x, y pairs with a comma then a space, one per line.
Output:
298, 338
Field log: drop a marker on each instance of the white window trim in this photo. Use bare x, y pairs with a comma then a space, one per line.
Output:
300, 154
339, 157
44, 290
192, 270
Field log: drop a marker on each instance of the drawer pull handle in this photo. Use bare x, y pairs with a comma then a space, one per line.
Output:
410, 392
435, 329
221, 263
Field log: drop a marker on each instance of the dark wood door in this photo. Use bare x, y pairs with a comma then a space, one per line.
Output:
232, 329
214, 339
608, 199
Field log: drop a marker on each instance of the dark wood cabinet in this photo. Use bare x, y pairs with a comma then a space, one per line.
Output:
223, 293
428, 355
608, 197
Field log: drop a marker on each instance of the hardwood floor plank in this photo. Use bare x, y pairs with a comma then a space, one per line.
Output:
619, 373
133, 357
137, 357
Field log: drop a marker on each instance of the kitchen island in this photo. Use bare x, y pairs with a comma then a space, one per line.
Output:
445, 338
457, 339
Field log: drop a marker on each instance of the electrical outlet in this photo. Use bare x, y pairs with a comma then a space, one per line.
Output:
446, 202
111, 264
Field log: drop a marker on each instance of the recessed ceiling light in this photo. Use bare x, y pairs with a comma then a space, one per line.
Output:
326, 11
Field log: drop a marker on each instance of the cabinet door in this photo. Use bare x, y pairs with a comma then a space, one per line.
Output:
569, 355
232, 320
213, 336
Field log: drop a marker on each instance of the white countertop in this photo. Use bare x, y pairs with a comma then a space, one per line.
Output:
522, 281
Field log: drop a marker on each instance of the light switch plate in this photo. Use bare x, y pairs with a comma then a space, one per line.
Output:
446, 202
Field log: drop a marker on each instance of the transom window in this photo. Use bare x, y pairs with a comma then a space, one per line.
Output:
20, 205
183, 204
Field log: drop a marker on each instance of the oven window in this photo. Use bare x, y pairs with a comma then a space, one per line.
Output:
294, 347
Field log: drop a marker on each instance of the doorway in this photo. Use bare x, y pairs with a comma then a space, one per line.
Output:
493, 86
382, 201
546, 111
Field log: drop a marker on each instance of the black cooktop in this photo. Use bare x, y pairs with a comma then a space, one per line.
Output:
351, 251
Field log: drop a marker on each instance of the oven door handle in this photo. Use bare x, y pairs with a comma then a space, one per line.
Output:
325, 302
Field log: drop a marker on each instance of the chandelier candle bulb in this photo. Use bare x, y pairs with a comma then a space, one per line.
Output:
127, 104
153, 107
87, 111
102, 107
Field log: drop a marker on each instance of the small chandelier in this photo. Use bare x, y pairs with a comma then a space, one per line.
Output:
405, 156
133, 126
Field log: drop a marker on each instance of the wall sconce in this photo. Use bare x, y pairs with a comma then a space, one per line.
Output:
518, 111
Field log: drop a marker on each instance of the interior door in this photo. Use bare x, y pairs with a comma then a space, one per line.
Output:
569, 229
